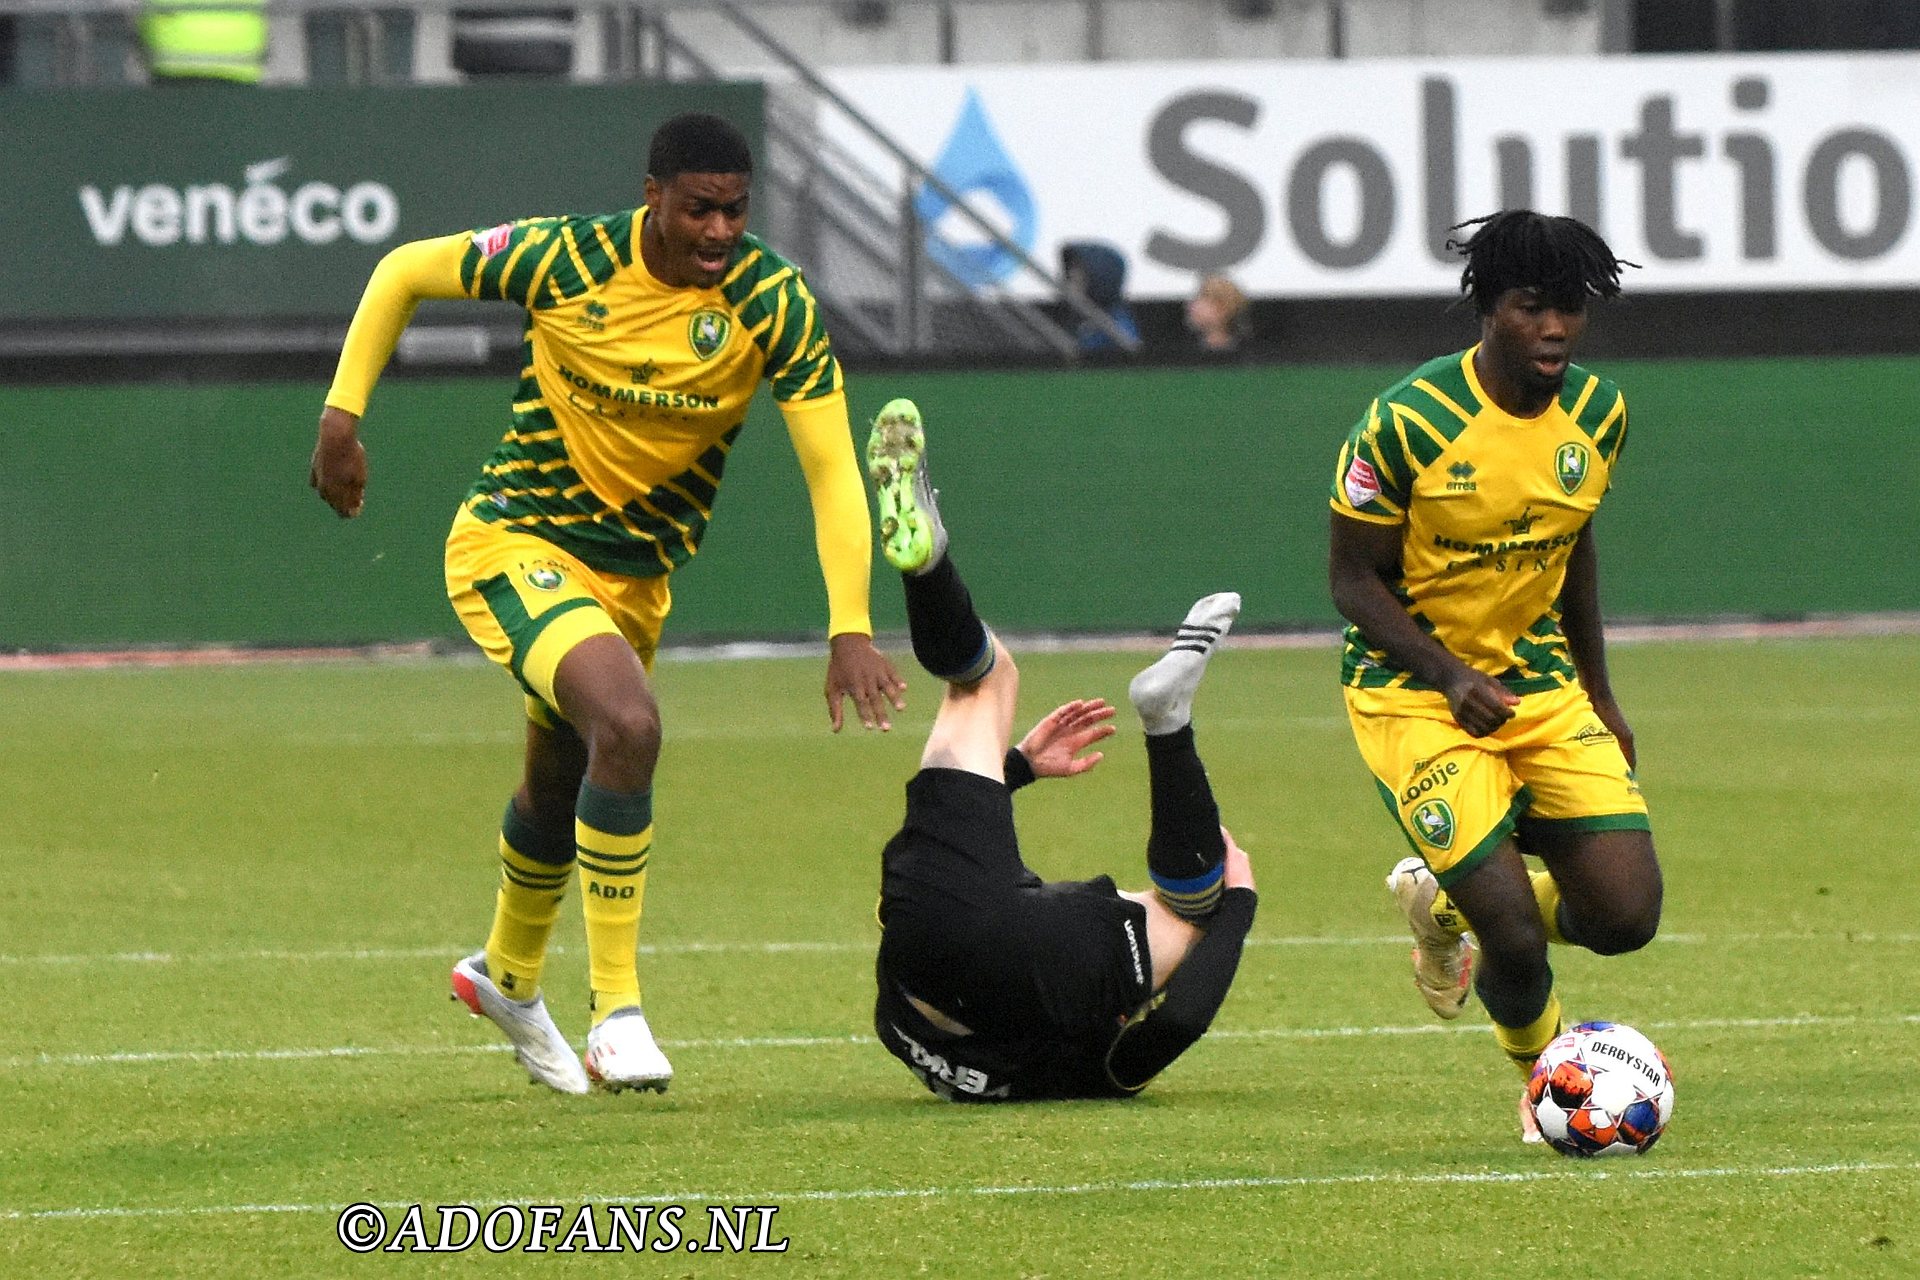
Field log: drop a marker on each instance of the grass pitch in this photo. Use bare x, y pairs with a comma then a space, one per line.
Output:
232, 895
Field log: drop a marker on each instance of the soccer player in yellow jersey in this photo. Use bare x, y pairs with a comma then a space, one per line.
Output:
647, 332
1463, 555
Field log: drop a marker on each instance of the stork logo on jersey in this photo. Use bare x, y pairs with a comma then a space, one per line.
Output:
263, 211
1362, 483
493, 239
708, 331
1570, 464
545, 578
1433, 821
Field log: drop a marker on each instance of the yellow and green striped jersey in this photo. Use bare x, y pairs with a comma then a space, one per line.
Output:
632, 392
1491, 505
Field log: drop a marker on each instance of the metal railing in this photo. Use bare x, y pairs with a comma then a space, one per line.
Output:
844, 220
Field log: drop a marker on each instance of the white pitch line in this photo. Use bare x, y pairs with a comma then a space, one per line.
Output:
452, 950
1161, 1185
163, 1056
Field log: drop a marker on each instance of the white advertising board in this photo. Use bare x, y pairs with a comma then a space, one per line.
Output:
1317, 179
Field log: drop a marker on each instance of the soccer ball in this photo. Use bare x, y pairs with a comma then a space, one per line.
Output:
1601, 1089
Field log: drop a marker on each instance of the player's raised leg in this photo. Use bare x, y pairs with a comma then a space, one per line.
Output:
1442, 954
1185, 850
1186, 846
911, 534
975, 720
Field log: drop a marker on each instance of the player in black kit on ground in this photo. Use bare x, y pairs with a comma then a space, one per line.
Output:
994, 985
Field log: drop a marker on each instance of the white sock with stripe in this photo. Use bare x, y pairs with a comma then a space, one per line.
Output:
1163, 693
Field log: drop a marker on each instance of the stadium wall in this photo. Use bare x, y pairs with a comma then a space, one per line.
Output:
179, 514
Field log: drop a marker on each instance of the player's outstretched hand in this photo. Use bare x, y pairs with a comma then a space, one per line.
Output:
1054, 745
857, 670
338, 471
1239, 874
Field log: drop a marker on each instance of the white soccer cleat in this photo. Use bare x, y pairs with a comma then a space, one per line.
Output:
1442, 961
537, 1043
621, 1054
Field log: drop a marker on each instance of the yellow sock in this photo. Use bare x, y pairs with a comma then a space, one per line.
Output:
1547, 895
613, 833
534, 870
1523, 1044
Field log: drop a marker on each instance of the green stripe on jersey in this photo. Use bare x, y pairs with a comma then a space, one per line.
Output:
1424, 440
648, 537
775, 307
1447, 376
1613, 436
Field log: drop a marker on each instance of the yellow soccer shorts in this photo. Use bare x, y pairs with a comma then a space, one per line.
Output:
527, 603
1456, 797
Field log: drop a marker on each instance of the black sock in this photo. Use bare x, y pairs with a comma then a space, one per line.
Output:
948, 637
1186, 854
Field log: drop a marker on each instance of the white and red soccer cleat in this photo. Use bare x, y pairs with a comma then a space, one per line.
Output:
621, 1054
537, 1043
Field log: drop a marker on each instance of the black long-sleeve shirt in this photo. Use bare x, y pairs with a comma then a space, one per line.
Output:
1183, 1010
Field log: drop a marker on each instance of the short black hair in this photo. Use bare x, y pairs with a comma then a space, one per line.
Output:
696, 142
1564, 258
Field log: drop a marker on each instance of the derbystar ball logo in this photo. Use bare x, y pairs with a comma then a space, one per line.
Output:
1362, 483
1434, 823
493, 239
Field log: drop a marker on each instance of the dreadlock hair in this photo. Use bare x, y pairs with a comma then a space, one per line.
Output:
696, 142
1564, 258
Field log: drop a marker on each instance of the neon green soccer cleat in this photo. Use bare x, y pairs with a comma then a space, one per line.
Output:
911, 535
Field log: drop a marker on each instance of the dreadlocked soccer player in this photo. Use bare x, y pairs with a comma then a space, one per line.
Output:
994, 985
1463, 555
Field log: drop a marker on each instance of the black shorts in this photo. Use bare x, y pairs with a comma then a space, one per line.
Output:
1042, 974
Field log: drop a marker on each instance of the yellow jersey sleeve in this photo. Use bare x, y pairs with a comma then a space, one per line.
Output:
415, 270
842, 533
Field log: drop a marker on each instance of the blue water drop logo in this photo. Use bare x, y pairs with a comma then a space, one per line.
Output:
974, 160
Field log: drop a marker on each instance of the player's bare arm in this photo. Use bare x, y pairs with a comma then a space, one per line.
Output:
1362, 558
1581, 620
338, 472
857, 670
